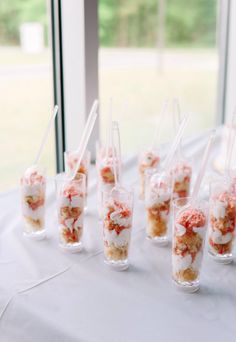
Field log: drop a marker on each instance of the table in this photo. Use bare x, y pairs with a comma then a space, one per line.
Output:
48, 295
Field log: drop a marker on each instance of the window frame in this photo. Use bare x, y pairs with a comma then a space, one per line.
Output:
75, 56
58, 77
75, 59
230, 78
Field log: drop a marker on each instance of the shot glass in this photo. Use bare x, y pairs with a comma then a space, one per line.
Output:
33, 188
70, 208
222, 221
189, 230
157, 203
71, 158
117, 224
181, 179
147, 160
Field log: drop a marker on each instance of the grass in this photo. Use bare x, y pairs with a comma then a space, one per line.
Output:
139, 90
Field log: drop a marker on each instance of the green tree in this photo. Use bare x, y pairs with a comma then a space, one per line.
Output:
15, 12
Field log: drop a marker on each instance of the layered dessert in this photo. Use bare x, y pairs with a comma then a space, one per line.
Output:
181, 175
189, 232
71, 160
222, 224
157, 201
70, 212
117, 222
106, 171
147, 160
106, 177
33, 185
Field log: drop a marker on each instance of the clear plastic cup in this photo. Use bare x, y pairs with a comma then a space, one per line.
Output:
105, 173
117, 224
70, 208
33, 188
157, 203
147, 160
181, 179
71, 158
189, 229
222, 221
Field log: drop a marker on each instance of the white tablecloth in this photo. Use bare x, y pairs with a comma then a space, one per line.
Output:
48, 295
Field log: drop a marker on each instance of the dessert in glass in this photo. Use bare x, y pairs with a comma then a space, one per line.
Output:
71, 158
70, 208
117, 223
181, 178
157, 202
105, 172
189, 229
147, 160
222, 221
33, 187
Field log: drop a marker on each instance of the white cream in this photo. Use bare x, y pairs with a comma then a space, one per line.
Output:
79, 222
218, 209
32, 190
119, 220
156, 199
179, 229
70, 224
200, 231
220, 239
179, 177
197, 261
181, 263
34, 214
164, 215
77, 201
63, 202
119, 240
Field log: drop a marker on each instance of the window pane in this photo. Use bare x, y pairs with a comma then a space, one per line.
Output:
151, 50
26, 87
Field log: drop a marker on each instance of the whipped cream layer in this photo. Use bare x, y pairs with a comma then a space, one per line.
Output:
218, 209
34, 214
117, 219
70, 223
180, 176
157, 198
74, 202
119, 240
181, 263
218, 238
33, 190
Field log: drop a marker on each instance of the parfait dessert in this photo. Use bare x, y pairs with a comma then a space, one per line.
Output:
181, 176
189, 228
147, 160
157, 200
71, 159
33, 186
222, 222
106, 175
70, 204
117, 223
105, 171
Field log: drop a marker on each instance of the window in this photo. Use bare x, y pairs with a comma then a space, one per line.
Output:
157, 49
26, 87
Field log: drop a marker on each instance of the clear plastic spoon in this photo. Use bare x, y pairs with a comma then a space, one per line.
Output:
46, 135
